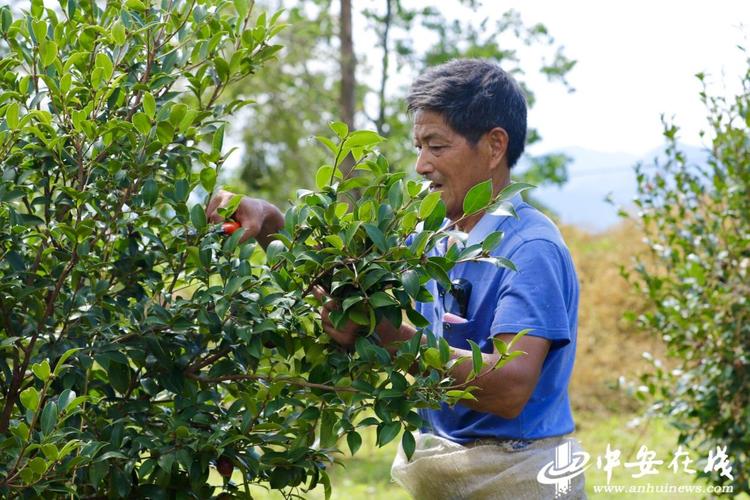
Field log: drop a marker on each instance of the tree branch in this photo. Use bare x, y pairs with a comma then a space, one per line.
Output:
288, 380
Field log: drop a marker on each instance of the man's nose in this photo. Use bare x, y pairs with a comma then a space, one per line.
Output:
423, 167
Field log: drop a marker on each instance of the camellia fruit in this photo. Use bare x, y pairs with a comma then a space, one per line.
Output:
229, 227
224, 466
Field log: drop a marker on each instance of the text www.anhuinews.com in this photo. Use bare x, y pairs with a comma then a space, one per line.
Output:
686, 489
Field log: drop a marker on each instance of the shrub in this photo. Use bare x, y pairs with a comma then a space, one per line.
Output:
140, 348
695, 219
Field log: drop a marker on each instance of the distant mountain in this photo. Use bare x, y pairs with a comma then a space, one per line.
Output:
595, 175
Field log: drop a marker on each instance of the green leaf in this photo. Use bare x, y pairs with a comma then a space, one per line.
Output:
208, 178
460, 394
428, 204
417, 319
149, 105
354, 440
274, 250
327, 435
38, 465
362, 138
377, 237
39, 29
432, 358
217, 142
135, 5
478, 197
387, 431
435, 220
323, 176
6, 19
105, 63
37, 8
341, 129
177, 113
11, 115
381, 299
65, 398
142, 123
508, 358
445, 350
517, 337
234, 284
408, 444
327, 143
492, 241
198, 217
149, 192
230, 207
437, 273
500, 346
164, 132
119, 377
350, 301
335, 241
118, 33
30, 398
498, 261
513, 189
49, 417
41, 370
50, 452
49, 53
476, 357
502, 209
410, 280
97, 79
60, 362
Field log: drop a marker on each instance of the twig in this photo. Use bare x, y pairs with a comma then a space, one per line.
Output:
288, 380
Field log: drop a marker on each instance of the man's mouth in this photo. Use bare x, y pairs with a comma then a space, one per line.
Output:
434, 186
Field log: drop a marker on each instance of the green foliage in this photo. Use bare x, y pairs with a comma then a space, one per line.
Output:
695, 218
139, 347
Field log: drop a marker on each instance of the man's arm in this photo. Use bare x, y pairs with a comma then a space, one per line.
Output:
259, 218
503, 392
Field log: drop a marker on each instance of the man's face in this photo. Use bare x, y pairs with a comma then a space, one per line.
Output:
448, 160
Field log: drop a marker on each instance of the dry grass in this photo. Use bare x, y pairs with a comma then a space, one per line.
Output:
608, 345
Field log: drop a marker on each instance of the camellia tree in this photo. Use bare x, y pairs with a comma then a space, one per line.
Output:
695, 219
140, 347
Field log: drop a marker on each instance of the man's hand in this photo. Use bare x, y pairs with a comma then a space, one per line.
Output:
258, 218
348, 334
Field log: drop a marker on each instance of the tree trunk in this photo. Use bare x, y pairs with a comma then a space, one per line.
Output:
380, 122
348, 82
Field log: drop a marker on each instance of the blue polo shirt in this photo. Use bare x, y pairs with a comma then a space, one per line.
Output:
541, 295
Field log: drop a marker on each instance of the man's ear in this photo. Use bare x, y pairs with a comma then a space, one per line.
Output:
497, 140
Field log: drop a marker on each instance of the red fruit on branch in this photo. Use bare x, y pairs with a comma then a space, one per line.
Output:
224, 466
229, 227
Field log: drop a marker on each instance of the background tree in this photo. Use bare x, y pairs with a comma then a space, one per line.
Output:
312, 54
695, 219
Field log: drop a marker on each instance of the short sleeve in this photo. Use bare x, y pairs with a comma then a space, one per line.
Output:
537, 296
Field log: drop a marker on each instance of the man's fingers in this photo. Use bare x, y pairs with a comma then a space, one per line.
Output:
213, 206
319, 293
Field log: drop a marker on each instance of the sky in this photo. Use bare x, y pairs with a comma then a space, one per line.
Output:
636, 60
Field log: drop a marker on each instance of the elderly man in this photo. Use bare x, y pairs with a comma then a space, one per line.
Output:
470, 126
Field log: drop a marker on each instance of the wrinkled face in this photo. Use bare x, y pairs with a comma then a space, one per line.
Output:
448, 160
